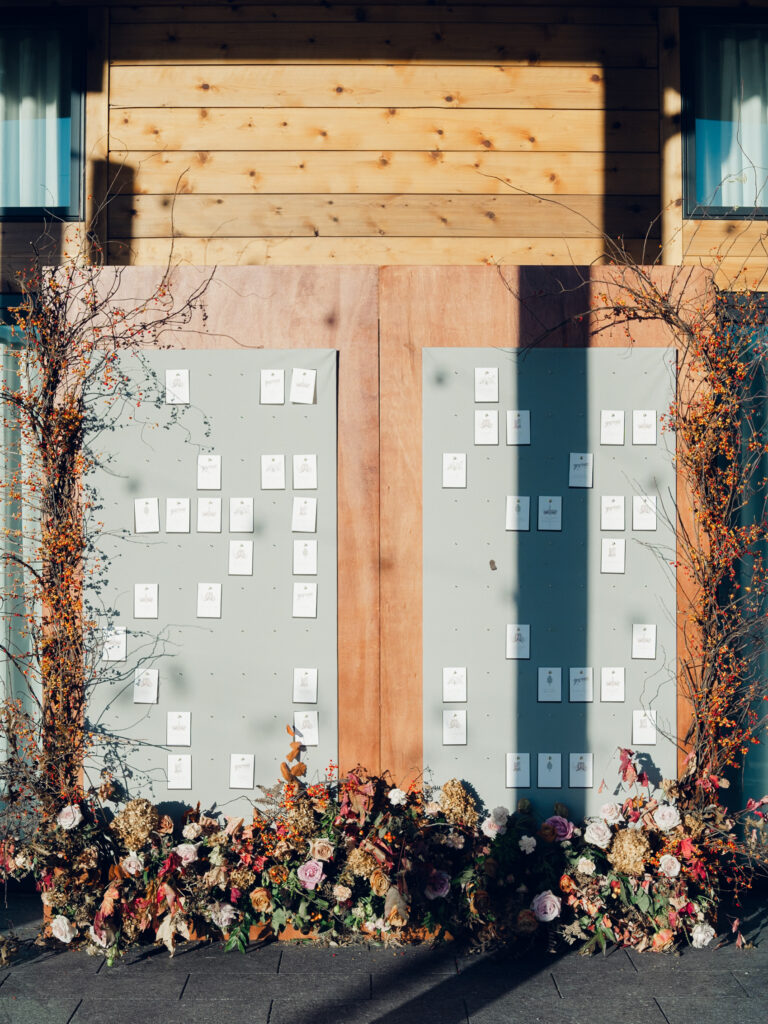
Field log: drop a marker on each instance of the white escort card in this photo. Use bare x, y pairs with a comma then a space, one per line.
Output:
241, 771
580, 468
486, 383
550, 685
306, 725
146, 683
305, 558
644, 426
179, 771
178, 729
550, 771
241, 515
305, 686
304, 516
115, 644
580, 771
518, 771
177, 515
273, 472
580, 685
209, 472
644, 512
518, 512
145, 600
612, 512
612, 555
305, 472
611, 426
241, 558
454, 685
303, 386
550, 512
455, 728
612, 685
486, 426
644, 727
272, 389
518, 641
518, 426
209, 600
209, 515
454, 469
177, 387
644, 640
304, 600
146, 515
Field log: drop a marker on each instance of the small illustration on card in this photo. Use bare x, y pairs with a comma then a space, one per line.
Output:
273, 472
644, 512
146, 514
612, 512
518, 641
550, 685
305, 472
209, 600
612, 685
305, 686
305, 600
306, 728
486, 426
580, 469
303, 386
518, 515
178, 728
241, 558
177, 387
518, 426
145, 600
644, 640
115, 642
272, 390
454, 685
305, 558
580, 686
454, 469
644, 727
580, 771
177, 515
644, 426
550, 512
146, 683
550, 771
241, 515
241, 771
304, 516
179, 771
611, 426
454, 728
612, 555
518, 771
209, 472
486, 383
209, 515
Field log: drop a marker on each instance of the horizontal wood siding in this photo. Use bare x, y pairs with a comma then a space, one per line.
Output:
382, 133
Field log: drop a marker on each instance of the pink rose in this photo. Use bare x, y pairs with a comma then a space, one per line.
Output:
438, 886
563, 828
187, 853
311, 874
546, 906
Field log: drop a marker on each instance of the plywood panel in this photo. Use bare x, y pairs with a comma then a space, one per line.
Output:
291, 128
386, 172
387, 215
384, 85
526, 43
343, 251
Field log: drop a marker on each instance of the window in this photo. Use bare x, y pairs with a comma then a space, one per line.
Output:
725, 94
40, 115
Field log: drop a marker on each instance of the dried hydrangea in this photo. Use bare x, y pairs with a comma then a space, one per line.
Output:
457, 805
242, 879
629, 852
134, 824
361, 864
302, 817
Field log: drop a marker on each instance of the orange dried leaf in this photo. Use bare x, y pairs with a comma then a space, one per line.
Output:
289, 730
298, 770
285, 771
294, 751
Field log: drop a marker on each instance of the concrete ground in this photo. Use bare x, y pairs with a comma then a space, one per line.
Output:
299, 984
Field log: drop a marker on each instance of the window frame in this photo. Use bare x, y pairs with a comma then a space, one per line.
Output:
690, 20
71, 27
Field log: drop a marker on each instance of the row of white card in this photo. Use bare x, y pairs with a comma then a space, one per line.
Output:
455, 735
272, 472
146, 686
519, 643
611, 428
550, 685
146, 596
146, 513
550, 512
271, 390
580, 771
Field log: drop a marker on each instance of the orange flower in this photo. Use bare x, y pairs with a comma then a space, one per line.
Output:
662, 940
566, 883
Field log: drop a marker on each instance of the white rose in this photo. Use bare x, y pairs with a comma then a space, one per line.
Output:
585, 866
527, 844
546, 906
22, 862
702, 935
598, 834
187, 852
666, 817
69, 816
500, 816
105, 940
223, 915
611, 813
490, 829
63, 929
397, 797
191, 830
132, 864
669, 866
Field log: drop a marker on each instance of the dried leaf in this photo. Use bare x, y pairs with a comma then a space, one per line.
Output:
108, 903
298, 770
285, 771
290, 730
294, 751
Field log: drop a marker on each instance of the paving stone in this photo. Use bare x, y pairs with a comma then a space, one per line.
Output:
516, 1012
709, 1007
285, 1011
337, 987
297, 960
21, 1005
158, 1009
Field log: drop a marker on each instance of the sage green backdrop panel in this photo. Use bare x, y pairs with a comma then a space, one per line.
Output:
478, 577
234, 674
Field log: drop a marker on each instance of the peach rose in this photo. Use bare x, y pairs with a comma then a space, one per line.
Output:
379, 882
261, 901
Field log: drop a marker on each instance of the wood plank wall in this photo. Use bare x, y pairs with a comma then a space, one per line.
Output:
388, 134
